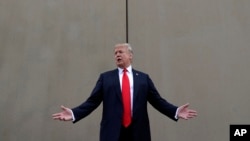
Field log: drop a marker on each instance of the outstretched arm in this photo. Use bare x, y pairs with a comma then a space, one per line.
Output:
65, 115
185, 113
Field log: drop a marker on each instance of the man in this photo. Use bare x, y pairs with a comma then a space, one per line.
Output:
124, 93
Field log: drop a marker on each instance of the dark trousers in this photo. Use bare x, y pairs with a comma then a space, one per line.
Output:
126, 134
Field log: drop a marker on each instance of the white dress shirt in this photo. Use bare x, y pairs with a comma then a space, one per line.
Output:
131, 82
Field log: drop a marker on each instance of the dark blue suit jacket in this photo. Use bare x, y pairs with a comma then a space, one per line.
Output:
108, 91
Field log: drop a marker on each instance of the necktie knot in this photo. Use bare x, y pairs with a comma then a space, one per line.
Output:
125, 70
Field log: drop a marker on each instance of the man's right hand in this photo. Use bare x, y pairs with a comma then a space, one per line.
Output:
65, 115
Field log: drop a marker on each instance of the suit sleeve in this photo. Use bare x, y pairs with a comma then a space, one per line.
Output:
159, 103
91, 103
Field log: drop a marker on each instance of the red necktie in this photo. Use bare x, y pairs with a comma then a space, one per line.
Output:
126, 100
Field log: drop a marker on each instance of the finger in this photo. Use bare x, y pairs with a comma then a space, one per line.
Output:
186, 118
63, 108
60, 118
192, 111
57, 117
191, 115
56, 114
185, 105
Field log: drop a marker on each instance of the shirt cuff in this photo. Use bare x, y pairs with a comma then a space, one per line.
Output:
176, 114
72, 114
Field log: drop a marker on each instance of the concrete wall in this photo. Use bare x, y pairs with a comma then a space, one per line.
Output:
196, 51
51, 53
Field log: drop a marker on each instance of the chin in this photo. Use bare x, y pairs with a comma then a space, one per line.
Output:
119, 65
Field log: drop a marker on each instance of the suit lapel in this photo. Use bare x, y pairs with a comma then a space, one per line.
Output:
136, 79
117, 85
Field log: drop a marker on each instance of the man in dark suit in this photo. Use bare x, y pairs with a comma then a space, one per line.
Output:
124, 93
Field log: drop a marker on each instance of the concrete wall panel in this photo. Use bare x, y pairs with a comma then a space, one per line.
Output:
51, 53
196, 51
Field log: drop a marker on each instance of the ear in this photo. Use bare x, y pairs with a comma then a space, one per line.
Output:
130, 56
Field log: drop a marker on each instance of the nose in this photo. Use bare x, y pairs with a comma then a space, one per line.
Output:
117, 54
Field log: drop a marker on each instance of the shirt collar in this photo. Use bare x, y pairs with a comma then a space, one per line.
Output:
129, 68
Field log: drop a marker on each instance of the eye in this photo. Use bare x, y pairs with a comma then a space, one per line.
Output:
118, 52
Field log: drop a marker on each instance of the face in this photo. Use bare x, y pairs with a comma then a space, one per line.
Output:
123, 57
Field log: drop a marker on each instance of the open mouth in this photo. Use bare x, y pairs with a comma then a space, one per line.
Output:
118, 59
